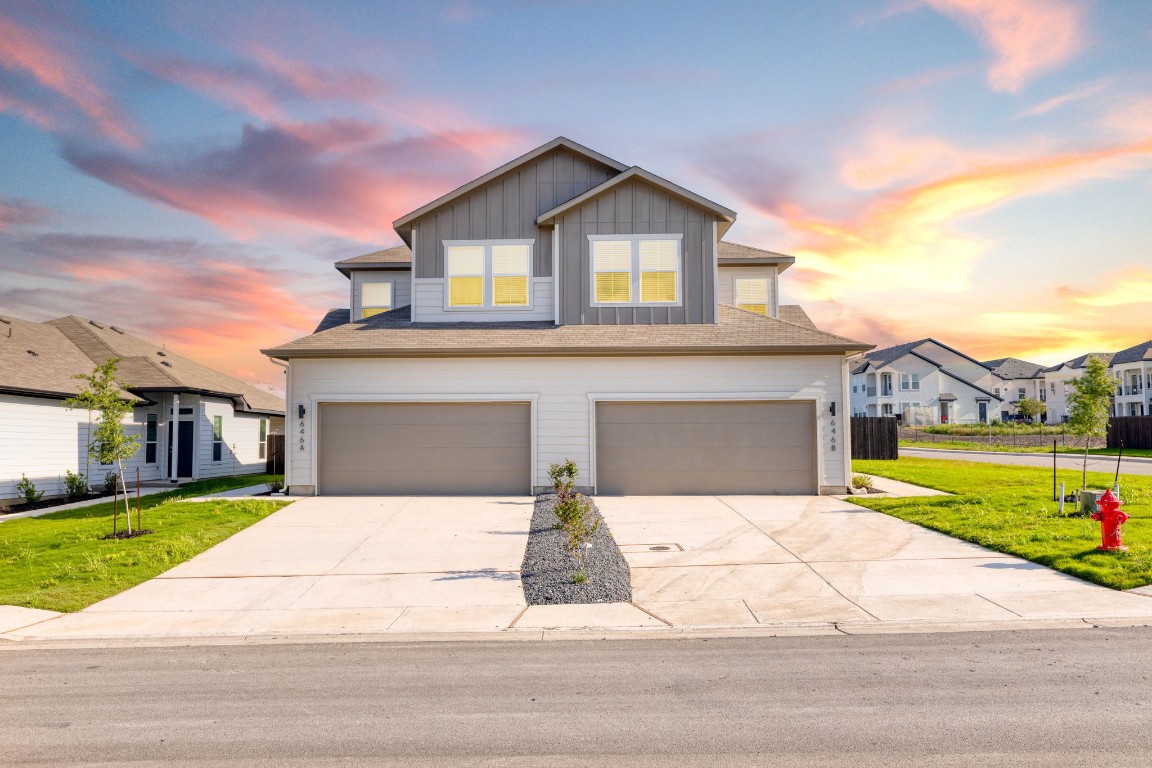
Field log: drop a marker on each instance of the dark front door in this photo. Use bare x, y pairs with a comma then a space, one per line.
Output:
983, 413
184, 454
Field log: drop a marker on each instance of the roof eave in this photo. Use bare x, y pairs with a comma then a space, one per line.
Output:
288, 354
348, 269
781, 264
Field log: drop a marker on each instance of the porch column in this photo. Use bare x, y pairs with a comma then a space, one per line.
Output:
174, 436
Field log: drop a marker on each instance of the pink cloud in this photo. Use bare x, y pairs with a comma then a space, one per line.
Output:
340, 177
1028, 37
52, 89
15, 213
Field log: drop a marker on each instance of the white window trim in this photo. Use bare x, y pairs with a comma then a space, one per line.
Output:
635, 248
487, 306
391, 281
749, 278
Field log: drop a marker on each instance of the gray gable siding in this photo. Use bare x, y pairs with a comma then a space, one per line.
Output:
506, 208
637, 208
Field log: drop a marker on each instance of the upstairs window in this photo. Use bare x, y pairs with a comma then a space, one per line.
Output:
635, 270
375, 298
910, 382
752, 294
488, 274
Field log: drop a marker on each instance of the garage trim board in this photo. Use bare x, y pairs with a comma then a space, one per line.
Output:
319, 400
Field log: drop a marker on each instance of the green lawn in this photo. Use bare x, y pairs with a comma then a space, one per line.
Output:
965, 445
58, 561
1010, 509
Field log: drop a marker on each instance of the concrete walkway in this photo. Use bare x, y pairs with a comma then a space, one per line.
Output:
1105, 464
80, 504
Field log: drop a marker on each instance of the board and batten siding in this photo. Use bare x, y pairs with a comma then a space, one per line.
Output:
240, 453
506, 208
401, 287
726, 285
42, 439
563, 389
430, 305
637, 208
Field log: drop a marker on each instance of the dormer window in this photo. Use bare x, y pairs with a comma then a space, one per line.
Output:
375, 298
635, 270
752, 294
488, 274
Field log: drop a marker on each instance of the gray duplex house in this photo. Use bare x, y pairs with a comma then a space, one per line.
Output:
566, 305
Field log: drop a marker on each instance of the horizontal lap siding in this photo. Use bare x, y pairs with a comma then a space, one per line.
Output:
637, 208
506, 208
562, 385
42, 439
240, 454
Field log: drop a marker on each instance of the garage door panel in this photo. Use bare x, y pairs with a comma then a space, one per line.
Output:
754, 447
424, 448
786, 435
659, 483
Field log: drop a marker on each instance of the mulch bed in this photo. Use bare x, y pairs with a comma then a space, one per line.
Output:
126, 535
546, 573
45, 504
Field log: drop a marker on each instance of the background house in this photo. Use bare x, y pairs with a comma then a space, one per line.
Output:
566, 305
1014, 379
924, 380
1132, 369
193, 421
1057, 380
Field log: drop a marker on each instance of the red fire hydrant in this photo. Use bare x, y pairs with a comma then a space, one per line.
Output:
1111, 518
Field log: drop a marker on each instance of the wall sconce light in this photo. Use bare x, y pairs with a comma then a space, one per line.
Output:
832, 408
299, 411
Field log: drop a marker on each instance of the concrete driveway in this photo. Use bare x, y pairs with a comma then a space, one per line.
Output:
755, 560
330, 566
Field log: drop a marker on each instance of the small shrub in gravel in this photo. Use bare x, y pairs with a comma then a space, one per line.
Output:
861, 482
546, 573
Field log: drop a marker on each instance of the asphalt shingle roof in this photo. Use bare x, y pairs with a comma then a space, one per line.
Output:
73, 345
1133, 354
1080, 362
394, 333
1014, 368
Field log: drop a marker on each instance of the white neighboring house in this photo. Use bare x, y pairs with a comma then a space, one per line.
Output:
1057, 381
566, 305
924, 374
1132, 369
223, 423
1014, 379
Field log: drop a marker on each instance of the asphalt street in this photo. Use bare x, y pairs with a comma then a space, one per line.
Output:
1030, 698
1105, 464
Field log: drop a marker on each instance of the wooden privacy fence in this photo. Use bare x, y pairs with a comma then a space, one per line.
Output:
1130, 432
874, 437
275, 465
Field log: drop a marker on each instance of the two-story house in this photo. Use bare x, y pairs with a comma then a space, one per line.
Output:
1057, 380
566, 305
1013, 380
924, 378
1132, 369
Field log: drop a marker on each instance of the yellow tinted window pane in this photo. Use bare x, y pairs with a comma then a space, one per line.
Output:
510, 291
368, 312
760, 309
465, 291
657, 287
613, 287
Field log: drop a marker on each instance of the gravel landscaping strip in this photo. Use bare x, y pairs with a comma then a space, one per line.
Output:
548, 567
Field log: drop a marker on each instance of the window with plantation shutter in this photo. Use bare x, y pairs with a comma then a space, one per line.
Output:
488, 274
375, 298
635, 270
752, 294
612, 266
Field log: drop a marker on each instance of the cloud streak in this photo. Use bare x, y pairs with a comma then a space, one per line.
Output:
1029, 38
52, 89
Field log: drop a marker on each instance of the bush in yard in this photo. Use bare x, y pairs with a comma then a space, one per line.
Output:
110, 482
27, 489
75, 485
861, 481
563, 477
573, 513
277, 485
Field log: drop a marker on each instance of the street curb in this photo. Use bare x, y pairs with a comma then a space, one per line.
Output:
847, 629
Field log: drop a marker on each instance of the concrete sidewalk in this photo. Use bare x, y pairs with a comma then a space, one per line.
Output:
1105, 464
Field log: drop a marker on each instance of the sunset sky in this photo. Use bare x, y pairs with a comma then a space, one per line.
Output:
979, 171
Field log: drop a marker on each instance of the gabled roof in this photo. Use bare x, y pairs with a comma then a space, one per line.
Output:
1014, 368
734, 254
396, 257
402, 225
1080, 362
393, 334
73, 345
1134, 354
879, 358
726, 215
